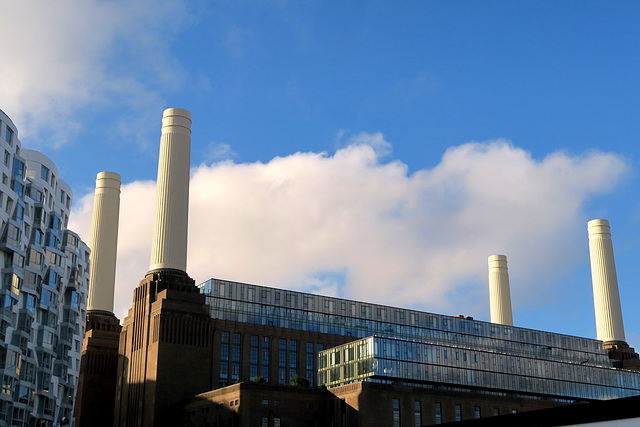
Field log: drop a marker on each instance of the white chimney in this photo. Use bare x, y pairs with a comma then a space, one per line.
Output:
169, 245
104, 242
499, 293
606, 298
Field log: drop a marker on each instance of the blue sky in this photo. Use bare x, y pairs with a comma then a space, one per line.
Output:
374, 150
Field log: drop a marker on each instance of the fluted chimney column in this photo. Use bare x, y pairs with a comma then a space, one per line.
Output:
499, 293
169, 245
103, 242
606, 298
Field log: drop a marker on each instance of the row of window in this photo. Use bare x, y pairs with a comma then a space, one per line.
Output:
437, 413
259, 358
257, 304
391, 359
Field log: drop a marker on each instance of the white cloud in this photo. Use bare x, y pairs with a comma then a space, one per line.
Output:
350, 225
59, 57
217, 151
374, 140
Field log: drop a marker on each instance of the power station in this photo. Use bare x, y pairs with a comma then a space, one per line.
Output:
224, 353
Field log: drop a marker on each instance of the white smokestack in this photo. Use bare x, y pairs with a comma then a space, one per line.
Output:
169, 245
104, 242
606, 298
499, 293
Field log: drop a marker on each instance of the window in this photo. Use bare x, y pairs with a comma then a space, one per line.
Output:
235, 371
396, 412
52, 241
438, 413
477, 412
18, 215
47, 298
309, 364
18, 188
7, 385
265, 401
293, 354
417, 414
48, 338
13, 361
55, 223
265, 358
236, 347
496, 412
37, 237
15, 284
254, 350
18, 168
44, 173
18, 260
54, 259
224, 348
31, 303
9, 135
7, 158
35, 259
310, 355
276, 422
52, 279
265, 421
13, 235
282, 362
458, 412
224, 371
75, 299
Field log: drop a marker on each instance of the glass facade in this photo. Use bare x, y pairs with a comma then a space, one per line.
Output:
262, 305
419, 348
397, 360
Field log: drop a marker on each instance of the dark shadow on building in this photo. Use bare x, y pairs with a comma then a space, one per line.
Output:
249, 404
597, 411
95, 397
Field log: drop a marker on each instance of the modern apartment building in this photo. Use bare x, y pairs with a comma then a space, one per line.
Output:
45, 274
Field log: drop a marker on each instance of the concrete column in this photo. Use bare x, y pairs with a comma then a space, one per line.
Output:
606, 298
104, 242
169, 245
499, 293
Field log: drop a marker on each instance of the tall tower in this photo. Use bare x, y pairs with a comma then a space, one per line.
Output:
499, 293
104, 242
169, 244
606, 299
165, 344
99, 360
